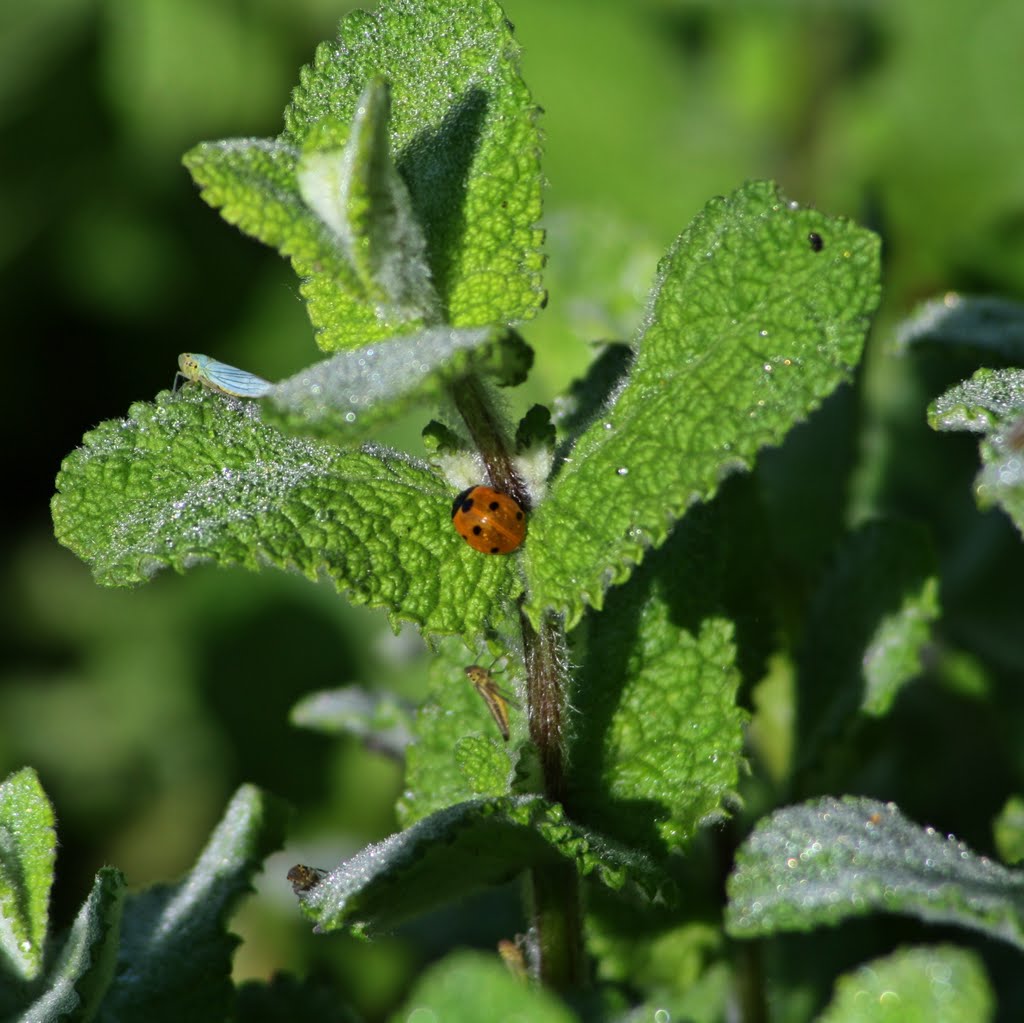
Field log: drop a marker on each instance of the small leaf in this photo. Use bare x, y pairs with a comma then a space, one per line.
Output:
750, 328
470, 986
383, 722
175, 961
459, 850
991, 403
85, 967
28, 849
197, 478
352, 392
830, 860
914, 985
357, 192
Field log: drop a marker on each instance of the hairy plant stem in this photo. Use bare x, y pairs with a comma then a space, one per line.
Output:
485, 428
557, 923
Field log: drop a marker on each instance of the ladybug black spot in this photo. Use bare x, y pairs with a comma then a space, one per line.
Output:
477, 530
494, 506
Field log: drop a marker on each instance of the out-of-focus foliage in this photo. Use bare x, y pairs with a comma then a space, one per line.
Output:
137, 709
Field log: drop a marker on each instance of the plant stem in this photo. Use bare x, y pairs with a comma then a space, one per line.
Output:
555, 903
485, 428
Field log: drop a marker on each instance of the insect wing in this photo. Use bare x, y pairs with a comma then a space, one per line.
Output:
221, 377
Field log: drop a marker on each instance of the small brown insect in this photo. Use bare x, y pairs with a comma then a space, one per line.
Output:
304, 878
493, 695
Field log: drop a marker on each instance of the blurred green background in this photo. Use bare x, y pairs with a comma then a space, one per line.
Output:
143, 710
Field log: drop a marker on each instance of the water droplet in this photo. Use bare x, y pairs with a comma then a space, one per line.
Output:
768, 367
622, 471
350, 417
608, 426
25, 946
762, 333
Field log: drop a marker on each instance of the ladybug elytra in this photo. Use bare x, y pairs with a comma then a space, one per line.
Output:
488, 520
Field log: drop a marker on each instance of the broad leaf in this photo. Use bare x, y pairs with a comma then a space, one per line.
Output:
345, 396
989, 327
470, 986
197, 478
991, 403
914, 985
175, 961
28, 849
459, 850
657, 742
85, 967
751, 325
829, 860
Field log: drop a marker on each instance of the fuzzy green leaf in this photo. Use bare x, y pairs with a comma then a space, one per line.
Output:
28, 849
175, 960
345, 396
471, 986
199, 478
459, 850
991, 403
463, 138
463, 135
658, 739
829, 860
358, 193
383, 722
85, 967
458, 754
254, 185
750, 327
914, 985
987, 326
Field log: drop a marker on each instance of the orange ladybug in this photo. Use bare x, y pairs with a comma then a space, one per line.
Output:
488, 520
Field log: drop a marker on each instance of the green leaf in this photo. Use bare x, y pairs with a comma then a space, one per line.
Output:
471, 986
749, 329
381, 720
658, 740
868, 623
830, 860
461, 849
352, 392
1008, 830
85, 967
914, 985
254, 184
463, 138
28, 849
175, 961
991, 403
986, 326
458, 754
198, 478
358, 193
